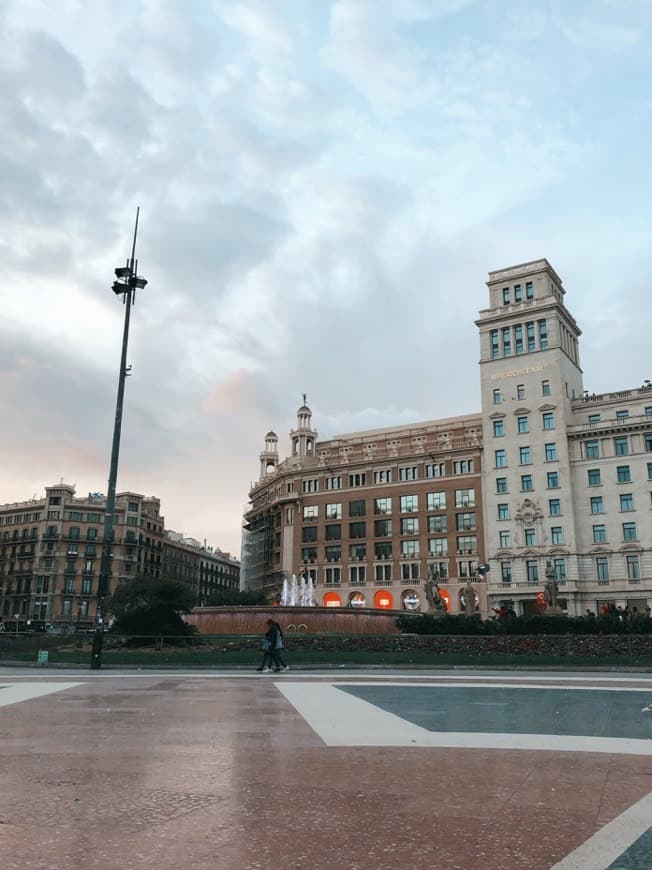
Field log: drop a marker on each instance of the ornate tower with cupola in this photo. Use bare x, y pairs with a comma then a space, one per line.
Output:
269, 456
304, 438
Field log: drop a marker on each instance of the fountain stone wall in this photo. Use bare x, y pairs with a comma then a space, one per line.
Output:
302, 620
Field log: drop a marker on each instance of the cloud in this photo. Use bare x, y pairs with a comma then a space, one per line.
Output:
323, 189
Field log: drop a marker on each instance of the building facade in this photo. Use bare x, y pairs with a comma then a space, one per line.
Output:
561, 482
50, 551
206, 569
370, 516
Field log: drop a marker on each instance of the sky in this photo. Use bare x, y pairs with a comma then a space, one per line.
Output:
324, 185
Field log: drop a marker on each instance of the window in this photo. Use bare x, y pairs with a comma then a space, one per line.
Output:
309, 534
437, 469
382, 528
506, 572
409, 503
333, 554
411, 472
464, 498
334, 532
467, 544
358, 479
466, 522
545, 388
357, 552
520, 391
543, 334
633, 568
503, 511
525, 456
507, 341
382, 506
67, 607
648, 441
332, 576
530, 537
310, 512
554, 507
310, 486
409, 548
532, 569
623, 474
436, 501
529, 290
522, 424
410, 571
358, 508
438, 525
52, 515
497, 397
597, 505
76, 516
505, 295
87, 586
548, 420
132, 521
551, 452
383, 550
504, 540
410, 525
383, 573
500, 458
526, 483
463, 466
518, 293
594, 477
531, 342
438, 546
592, 449
495, 349
622, 415
358, 530
357, 575
552, 480
621, 445
626, 501
560, 569
501, 485
649, 471
518, 339
334, 482
648, 411
333, 511
629, 532
602, 568
594, 419
384, 476
556, 535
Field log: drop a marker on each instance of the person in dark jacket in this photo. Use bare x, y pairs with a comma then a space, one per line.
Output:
269, 648
279, 663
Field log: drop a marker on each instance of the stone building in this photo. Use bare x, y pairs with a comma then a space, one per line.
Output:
50, 551
548, 478
370, 516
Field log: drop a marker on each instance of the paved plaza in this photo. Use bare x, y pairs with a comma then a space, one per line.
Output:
311, 770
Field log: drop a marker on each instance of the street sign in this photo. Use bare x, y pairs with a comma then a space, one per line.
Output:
43, 655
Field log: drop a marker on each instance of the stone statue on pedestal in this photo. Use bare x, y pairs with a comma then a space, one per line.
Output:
470, 599
551, 592
433, 595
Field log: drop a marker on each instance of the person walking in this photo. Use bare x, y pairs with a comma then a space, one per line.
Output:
269, 647
279, 663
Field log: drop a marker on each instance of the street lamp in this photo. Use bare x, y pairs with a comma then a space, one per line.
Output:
128, 282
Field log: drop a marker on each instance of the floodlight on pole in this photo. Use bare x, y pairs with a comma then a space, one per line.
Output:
128, 282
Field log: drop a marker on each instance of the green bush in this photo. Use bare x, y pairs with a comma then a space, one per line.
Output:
427, 623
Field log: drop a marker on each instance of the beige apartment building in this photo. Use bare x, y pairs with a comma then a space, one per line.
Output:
50, 551
547, 479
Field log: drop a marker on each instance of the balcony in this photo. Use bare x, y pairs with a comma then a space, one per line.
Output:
51, 536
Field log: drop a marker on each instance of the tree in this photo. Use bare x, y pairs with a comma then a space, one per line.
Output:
236, 598
152, 605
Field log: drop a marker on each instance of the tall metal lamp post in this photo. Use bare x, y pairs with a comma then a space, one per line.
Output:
128, 282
